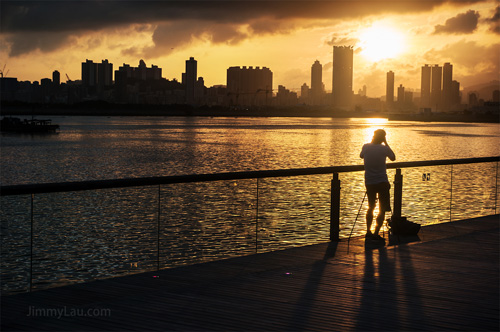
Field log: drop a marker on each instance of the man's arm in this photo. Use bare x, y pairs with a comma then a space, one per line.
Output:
362, 154
390, 153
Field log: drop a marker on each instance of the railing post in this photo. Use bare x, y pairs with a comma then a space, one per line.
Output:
398, 194
257, 219
335, 208
31, 245
158, 230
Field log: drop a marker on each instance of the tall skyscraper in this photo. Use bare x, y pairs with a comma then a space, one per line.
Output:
436, 79
425, 87
89, 73
104, 74
304, 91
190, 79
316, 82
342, 76
56, 78
455, 93
389, 89
401, 94
447, 96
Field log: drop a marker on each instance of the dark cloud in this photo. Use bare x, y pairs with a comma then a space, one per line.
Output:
171, 36
214, 20
336, 41
26, 42
462, 23
495, 21
92, 14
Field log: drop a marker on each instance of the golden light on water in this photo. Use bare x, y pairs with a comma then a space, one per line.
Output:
373, 124
376, 121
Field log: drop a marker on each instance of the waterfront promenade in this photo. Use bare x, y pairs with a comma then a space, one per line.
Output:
446, 280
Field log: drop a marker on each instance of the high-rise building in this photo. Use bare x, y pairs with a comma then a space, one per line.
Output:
127, 76
473, 99
189, 79
89, 73
316, 83
447, 96
455, 94
141, 72
97, 76
436, 79
425, 87
389, 89
362, 91
342, 92
495, 96
408, 97
401, 94
104, 74
304, 91
199, 90
249, 86
56, 78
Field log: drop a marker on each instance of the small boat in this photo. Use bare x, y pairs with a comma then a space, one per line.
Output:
27, 126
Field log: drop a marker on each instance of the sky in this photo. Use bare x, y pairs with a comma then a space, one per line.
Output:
38, 37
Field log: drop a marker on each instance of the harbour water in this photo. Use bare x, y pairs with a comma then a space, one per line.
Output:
97, 234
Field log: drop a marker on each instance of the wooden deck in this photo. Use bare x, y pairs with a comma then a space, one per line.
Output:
448, 280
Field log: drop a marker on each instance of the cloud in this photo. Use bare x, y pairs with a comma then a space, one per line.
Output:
216, 21
336, 41
171, 36
25, 42
462, 23
469, 59
495, 21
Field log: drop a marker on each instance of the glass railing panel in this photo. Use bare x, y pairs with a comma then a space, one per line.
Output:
15, 223
426, 194
497, 188
474, 190
293, 211
88, 235
206, 221
353, 204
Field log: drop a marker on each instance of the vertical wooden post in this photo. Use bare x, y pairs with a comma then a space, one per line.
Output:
398, 194
335, 208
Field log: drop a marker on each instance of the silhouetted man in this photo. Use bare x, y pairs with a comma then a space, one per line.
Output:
376, 181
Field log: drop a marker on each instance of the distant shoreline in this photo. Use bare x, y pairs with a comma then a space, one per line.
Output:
105, 109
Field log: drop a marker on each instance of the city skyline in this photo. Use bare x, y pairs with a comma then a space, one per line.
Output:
286, 36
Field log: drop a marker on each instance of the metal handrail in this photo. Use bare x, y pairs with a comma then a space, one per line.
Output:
335, 207
26, 189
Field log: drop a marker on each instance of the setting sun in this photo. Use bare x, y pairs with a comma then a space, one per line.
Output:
381, 42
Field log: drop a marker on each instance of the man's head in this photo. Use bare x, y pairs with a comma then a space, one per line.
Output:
378, 136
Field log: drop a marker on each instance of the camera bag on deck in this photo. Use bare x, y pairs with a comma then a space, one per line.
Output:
402, 226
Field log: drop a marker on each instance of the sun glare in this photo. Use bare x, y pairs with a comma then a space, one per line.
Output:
380, 42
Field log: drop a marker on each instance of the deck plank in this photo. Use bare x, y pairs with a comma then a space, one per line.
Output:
448, 280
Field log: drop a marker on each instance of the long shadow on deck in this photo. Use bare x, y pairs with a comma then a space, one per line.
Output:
305, 304
390, 298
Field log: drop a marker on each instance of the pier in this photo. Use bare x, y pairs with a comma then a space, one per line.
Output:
447, 279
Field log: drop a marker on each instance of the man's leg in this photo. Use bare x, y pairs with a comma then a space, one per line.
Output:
372, 201
369, 219
384, 198
380, 220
